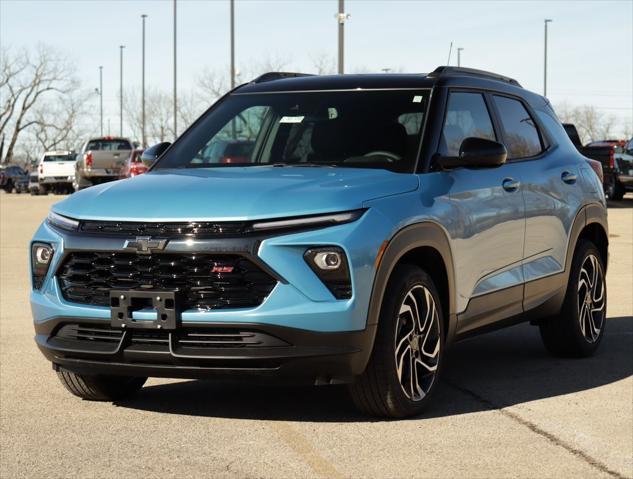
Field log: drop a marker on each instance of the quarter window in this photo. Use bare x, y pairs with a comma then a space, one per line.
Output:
521, 133
466, 116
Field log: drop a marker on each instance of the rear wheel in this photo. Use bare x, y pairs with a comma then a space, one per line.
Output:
578, 329
403, 370
614, 190
8, 187
100, 387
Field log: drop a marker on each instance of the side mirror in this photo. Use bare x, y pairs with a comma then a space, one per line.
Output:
151, 154
477, 153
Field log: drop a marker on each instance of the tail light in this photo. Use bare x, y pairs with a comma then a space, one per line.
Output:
612, 158
88, 159
597, 167
137, 168
234, 160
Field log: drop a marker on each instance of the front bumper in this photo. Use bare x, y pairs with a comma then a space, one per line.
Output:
91, 346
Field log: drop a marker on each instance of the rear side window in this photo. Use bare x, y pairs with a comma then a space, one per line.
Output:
59, 158
466, 116
108, 145
522, 137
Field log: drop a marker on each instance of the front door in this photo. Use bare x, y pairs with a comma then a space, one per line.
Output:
488, 227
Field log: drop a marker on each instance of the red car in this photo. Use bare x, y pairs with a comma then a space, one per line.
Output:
133, 165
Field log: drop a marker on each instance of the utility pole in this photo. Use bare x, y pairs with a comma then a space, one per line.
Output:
143, 139
121, 47
175, 80
459, 56
341, 17
232, 6
101, 97
547, 20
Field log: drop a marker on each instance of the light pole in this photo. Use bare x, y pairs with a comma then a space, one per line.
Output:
143, 140
232, 8
175, 80
341, 17
459, 56
547, 20
101, 97
121, 47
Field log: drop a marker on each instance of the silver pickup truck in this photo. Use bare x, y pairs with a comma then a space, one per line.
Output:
101, 160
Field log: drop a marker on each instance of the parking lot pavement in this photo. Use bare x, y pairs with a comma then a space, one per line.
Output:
505, 408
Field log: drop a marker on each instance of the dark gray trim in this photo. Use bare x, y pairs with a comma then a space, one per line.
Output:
415, 236
490, 308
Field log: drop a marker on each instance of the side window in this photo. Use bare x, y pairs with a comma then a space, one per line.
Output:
466, 116
521, 133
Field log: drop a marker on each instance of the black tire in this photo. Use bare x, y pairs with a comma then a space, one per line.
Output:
614, 189
566, 335
378, 391
100, 387
43, 190
8, 187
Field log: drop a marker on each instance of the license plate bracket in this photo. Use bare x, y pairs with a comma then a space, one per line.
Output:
123, 304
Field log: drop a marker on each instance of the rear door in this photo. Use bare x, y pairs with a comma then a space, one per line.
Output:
489, 219
58, 165
552, 188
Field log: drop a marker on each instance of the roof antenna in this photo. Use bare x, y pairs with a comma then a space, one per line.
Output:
450, 50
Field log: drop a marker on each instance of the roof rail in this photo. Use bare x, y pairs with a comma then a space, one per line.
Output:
446, 71
270, 76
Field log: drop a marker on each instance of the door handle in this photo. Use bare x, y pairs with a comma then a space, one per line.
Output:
569, 178
510, 184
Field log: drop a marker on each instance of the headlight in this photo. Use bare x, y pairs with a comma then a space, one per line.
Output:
309, 221
41, 256
329, 263
62, 222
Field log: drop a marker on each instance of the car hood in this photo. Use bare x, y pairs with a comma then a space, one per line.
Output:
234, 193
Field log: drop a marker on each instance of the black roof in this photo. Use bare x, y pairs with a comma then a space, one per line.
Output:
442, 76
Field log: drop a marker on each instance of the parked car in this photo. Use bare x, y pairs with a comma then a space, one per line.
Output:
56, 172
133, 165
101, 160
34, 185
616, 158
380, 219
226, 151
12, 176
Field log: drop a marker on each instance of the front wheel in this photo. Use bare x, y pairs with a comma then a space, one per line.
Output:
579, 328
100, 387
404, 366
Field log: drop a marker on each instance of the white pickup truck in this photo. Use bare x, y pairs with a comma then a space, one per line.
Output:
56, 172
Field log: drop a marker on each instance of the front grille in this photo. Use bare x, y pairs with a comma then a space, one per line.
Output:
88, 278
185, 338
169, 230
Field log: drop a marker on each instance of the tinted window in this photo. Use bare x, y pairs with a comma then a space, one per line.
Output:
108, 145
521, 134
353, 129
466, 116
59, 158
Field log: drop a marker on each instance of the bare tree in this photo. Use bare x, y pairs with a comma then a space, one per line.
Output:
323, 64
591, 124
27, 81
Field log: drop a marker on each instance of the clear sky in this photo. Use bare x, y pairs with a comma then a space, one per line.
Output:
590, 42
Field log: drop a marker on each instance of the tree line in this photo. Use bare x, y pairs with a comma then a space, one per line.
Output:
43, 105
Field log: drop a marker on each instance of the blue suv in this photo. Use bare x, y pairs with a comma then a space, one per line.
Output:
369, 222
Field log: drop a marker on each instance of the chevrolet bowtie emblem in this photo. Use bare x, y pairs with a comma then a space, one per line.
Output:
145, 244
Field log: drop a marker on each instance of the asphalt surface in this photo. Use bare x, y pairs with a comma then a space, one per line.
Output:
504, 409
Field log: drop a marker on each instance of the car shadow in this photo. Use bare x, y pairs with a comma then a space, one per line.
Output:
626, 202
495, 370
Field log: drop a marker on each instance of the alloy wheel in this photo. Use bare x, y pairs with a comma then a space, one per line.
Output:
591, 298
417, 343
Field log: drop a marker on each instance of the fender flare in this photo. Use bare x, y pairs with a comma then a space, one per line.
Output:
588, 214
424, 234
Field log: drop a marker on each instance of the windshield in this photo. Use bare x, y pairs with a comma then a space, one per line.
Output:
108, 145
59, 158
356, 129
